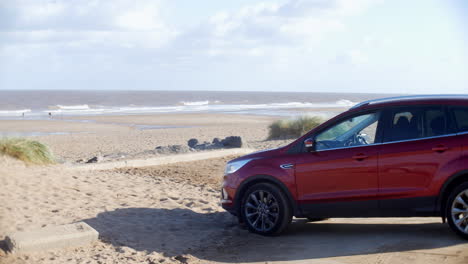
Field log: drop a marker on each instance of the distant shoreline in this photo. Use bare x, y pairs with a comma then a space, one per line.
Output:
43, 104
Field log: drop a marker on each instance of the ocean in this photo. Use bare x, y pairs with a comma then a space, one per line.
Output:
38, 104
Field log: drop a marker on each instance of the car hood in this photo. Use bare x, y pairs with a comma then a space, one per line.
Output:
261, 154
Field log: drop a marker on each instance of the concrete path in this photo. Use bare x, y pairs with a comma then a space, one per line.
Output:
164, 159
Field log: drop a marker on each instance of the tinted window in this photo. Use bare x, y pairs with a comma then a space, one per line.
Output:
461, 118
355, 131
435, 122
414, 123
405, 124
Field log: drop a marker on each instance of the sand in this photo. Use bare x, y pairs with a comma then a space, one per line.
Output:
125, 206
107, 135
171, 213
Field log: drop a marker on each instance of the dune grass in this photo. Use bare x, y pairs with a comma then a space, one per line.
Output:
293, 128
29, 151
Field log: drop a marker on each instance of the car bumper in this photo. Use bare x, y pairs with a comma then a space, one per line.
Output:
227, 200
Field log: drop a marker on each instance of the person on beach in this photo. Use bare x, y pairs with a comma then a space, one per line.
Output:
50, 115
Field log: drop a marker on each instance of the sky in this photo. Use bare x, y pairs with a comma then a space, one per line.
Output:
367, 46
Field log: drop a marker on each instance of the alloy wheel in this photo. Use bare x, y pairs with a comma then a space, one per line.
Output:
261, 210
460, 211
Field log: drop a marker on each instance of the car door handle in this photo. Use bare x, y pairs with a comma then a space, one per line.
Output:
360, 157
287, 166
440, 148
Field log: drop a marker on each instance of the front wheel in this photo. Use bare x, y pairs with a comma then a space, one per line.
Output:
457, 210
265, 209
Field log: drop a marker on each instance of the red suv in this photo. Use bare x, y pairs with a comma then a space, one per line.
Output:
391, 157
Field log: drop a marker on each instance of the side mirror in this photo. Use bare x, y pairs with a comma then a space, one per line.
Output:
309, 144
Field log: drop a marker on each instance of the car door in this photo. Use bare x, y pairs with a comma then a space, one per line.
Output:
339, 177
461, 118
418, 144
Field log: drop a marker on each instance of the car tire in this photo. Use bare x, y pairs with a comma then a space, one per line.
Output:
265, 209
456, 210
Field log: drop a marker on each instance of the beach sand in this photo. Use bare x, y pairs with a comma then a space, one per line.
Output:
107, 135
171, 213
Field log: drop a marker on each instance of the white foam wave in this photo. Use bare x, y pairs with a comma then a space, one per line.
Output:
14, 112
187, 107
73, 107
346, 103
196, 103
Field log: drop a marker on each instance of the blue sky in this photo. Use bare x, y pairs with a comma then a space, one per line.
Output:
381, 46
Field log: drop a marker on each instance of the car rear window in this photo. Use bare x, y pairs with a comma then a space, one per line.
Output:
461, 117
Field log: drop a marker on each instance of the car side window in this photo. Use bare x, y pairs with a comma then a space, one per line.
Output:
461, 118
405, 124
356, 131
416, 122
435, 122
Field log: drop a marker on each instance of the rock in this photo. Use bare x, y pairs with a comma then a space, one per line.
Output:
207, 146
192, 142
179, 148
172, 149
95, 159
232, 142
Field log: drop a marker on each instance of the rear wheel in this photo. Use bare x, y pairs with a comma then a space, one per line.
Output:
265, 209
457, 210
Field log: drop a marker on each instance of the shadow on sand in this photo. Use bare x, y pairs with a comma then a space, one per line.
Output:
217, 237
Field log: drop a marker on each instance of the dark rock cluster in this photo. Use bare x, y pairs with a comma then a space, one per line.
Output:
192, 145
228, 142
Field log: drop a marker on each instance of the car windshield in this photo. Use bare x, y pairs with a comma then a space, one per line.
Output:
355, 131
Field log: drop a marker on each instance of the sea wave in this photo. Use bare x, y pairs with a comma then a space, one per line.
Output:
196, 103
14, 112
186, 107
73, 107
346, 103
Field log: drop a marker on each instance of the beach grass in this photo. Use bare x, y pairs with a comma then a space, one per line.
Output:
293, 128
29, 151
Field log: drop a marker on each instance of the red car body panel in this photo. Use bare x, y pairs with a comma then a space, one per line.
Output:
408, 169
402, 176
336, 176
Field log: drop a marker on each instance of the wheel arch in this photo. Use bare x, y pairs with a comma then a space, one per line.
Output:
450, 184
244, 186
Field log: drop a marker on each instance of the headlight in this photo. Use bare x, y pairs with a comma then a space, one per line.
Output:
232, 167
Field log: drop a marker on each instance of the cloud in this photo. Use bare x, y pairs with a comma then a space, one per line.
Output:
110, 39
296, 25
263, 26
80, 15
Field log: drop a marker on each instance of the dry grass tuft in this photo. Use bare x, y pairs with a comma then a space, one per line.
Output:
29, 151
293, 128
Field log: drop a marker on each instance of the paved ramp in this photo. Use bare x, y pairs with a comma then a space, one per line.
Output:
164, 159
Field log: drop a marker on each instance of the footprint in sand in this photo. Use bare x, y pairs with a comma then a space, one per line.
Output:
203, 201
